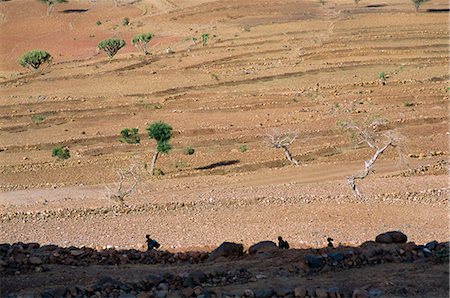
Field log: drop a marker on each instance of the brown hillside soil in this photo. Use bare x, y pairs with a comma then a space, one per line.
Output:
268, 66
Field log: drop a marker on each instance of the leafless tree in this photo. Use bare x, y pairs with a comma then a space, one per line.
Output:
126, 177
376, 138
283, 141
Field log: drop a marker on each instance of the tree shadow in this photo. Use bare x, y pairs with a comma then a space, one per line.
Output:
438, 10
375, 5
218, 164
74, 10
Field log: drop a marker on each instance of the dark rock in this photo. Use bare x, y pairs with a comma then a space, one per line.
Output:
226, 250
359, 293
431, 245
338, 257
300, 292
263, 246
391, 237
284, 291
35, 261
314, 261
198, 277
264, 293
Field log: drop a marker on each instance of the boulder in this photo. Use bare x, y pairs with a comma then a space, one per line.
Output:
35, 260
226, 250
391, 237
314, 261
262, 246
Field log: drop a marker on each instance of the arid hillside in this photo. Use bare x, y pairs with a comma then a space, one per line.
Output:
267, 68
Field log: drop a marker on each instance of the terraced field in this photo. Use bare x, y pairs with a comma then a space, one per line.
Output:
268, 66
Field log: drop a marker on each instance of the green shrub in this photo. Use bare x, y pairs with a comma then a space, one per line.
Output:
418, 3
98, 23
126, 21
111, 46
141, 41
243, 148
205, 37
382, 77
130, 136
61, 152
35, 59
189, 151
158, 172
408, 104
37, 118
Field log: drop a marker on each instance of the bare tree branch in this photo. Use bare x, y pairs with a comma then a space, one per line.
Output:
283, 141
119, 191
369, 134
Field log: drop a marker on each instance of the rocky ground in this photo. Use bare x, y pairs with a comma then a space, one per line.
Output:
268, 67
264, 271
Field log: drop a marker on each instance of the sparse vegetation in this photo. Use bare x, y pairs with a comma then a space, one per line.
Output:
35, 59
61, 152
408, 104
418, 3
130, 136
162, 133
283, 141
37, 118
111, 46
373, 134
205, 37
243, 148
98, 23
357, 1
189, 151
51, 3
141, 41
126, 21
119, 191
382, 78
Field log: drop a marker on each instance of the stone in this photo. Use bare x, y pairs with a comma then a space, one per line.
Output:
281, 292
198, 276
187, 292
338, 257
431, 245
321, 293
391, 237
359, 293
35, 261
300, 292
76, 252
314, 261
226, 250
264, 293
248, 293
263, 246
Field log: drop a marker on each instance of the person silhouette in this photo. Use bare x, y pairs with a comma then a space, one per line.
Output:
330, 243
282, 244
151, 243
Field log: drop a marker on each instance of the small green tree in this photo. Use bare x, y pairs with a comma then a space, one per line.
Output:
35, 59
141, 41
130, 136
189, 151
205, 37
161, 132
61, 152
51, 3
382, 77
418, 3
111, 46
